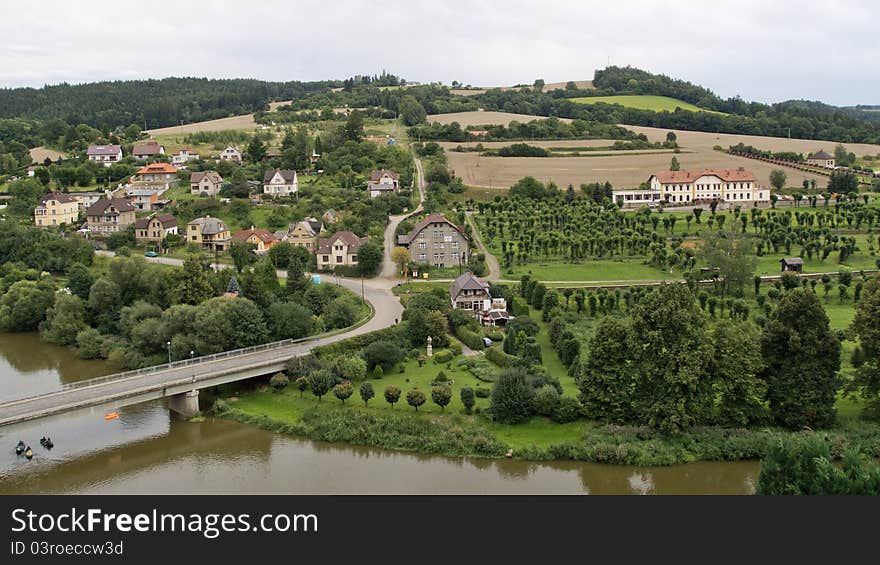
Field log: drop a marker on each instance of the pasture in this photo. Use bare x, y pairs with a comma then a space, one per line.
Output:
643, 102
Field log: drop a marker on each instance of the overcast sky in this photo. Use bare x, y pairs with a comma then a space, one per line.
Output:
762, 50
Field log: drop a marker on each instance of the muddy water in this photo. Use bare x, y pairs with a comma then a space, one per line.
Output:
149, 450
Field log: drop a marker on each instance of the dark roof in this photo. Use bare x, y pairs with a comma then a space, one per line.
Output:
103, 150
288, 176
167, 220
379, 173
59, 196
466, 281
350, 239
792, 261
431, 219
101, 206
821, 154
147, 148
213, 176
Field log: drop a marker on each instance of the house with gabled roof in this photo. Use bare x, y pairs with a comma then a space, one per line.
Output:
157, 176
155, 227
304, 233
262, 240
147, 149
104, 154
231, 153
339, 250
110, 215
821, 159
437, 242
688, 188
383, 181
280, 182
471, 294
54, 209
208, 232
184, 155
205, 183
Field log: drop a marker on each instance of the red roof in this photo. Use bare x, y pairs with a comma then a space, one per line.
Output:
156, 168
263, 235
686, 177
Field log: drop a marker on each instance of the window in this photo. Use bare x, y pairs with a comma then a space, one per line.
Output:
421, 256
422, 245
325, 258
339, 258
354, 258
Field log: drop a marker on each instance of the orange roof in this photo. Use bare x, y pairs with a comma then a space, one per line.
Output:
727, 175
155, 168
263, 235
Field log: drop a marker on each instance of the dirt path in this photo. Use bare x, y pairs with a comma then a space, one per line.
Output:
389, 269
491, 261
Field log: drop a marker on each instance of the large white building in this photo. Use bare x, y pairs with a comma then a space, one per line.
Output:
696, 187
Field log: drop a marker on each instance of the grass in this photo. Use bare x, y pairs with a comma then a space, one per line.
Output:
600, 270
644, 102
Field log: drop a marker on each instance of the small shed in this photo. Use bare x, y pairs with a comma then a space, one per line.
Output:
792, 264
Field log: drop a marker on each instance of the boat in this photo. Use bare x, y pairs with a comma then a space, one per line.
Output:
29, 453
19, 449
111, 415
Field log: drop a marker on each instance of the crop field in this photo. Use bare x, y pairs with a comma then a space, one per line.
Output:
480, 118
643, 102
39, 154
234, 122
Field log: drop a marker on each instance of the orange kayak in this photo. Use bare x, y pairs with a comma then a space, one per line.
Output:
111, 415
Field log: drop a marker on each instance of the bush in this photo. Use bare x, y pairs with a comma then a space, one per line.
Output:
567, 410
278, 382
479, 367
441, 395
443, 356
89, 343
469, 338
343, 391
302, 384
415, 398
350, 368
366, 391
512, 397
385, 353
545, 401
392, 395
499, 357
378, 373
467, 398
495, 336
482, 392
455, 348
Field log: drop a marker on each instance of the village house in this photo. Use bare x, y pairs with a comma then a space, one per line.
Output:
340, 249
110, 215
383, 181
104, 154
208, 232
437, 242
155, 227
821, 159
86, 199
470, 293
183, 156
54, 209
147, 150
331, 216
280, 183
697, 187
158, 176
32, 171
145, 199
231, 153
261, 239
304, 233
205, 183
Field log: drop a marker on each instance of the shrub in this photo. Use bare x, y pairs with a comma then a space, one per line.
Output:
443, 356
545, 401
499, 357
89, 343
415, 398
385, 353
441, 395
469, 338
467, 398
392, 395
351, 368
302, 383
278, 382
366, 392
455, 348
378, 373
343, 391
441, 377
512, 397
479, 367
567, 410
482, 392
495, 336
219, 406
320, 382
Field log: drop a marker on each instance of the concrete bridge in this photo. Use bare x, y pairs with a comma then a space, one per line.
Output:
181, 381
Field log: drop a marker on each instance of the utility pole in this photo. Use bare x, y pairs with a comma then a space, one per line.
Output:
363, 300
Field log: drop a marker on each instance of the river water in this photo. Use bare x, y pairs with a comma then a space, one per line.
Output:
149, 450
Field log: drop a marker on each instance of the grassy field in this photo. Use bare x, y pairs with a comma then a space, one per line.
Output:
480, 117
643, 102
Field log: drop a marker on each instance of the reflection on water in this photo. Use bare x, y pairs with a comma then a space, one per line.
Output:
29, 366
148, 450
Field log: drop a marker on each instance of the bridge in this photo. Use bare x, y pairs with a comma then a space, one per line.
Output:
181, 381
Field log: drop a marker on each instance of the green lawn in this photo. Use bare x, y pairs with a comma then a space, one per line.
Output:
643, 102
605, 270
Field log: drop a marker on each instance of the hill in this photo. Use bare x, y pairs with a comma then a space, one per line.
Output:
642, 102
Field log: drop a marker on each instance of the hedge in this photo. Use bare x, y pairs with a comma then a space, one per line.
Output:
499, 357
469, 338
356, 343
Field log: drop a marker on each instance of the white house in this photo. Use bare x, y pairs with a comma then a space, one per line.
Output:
280, 183
470, 293
338, 250
231, 153
104, 154
697, 187
383, 181
147, 149
183, 156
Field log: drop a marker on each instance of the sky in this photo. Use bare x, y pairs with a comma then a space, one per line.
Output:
766, 51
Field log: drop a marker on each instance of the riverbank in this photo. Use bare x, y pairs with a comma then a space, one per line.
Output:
456, 434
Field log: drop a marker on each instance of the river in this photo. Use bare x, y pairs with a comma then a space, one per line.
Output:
149, 450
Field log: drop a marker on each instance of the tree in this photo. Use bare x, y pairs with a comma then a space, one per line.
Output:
302, 383
290, 320
366, 392
778, 178
468, 399
401, 258
256, 149
320, 382
801, 357
441, 395
671, 353
351, 368
411, 111
731, 254
369, 258
224, 324
674, 164
343, 391
866, 325
736, 365
606, 378
538, 85
383, 352
278, 382
354, 127
193, 286
105, 301
671, 137
546, 400
424, 323
79, 280
242, 254
415, 398
511, 401
297, 282
392, 395
64, 320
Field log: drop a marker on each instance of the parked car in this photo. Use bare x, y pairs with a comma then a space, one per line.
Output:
151, 254
487, 342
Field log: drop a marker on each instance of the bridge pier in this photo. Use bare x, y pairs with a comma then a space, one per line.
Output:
186, 403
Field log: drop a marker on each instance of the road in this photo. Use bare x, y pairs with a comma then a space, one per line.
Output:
491, 260
389, 269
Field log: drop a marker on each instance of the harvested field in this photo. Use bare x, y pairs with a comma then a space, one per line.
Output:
644, 102
467, 92
39, 154
551, 86
234, 122
537, 143
698, 140
274, 105
480, 118
624, 169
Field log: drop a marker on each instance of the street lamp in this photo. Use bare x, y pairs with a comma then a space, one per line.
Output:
192, 355
168, 343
